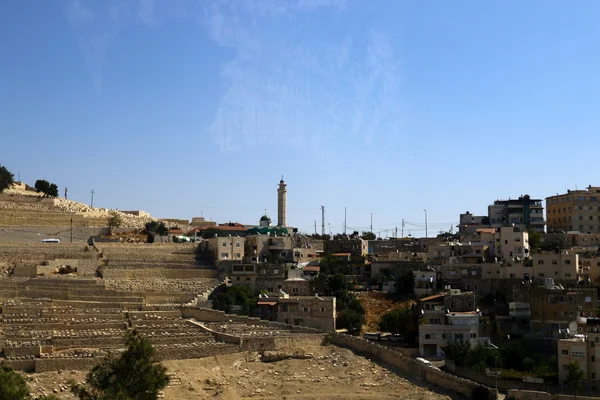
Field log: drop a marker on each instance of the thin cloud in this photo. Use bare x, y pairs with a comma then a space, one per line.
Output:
78, 14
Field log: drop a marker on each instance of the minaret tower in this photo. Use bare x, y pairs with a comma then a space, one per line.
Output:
282, 204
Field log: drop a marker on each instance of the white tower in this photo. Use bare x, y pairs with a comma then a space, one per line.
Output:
282, 204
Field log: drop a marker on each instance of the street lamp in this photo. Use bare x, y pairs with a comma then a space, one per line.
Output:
425, 223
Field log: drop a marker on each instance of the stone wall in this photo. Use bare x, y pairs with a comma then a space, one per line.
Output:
533, 395
208, 315
55, 364
408, 365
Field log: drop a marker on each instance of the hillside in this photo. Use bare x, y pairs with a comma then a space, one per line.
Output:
377, 304
22, 207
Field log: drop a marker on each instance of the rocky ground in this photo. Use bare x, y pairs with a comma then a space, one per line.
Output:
317, 372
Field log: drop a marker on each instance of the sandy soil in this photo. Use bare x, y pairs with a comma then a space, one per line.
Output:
329, 373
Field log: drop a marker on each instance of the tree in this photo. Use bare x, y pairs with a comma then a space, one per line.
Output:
457, 351
513, 353
368, 236
535, 240
574, 376
154, 228
114, 220
208, 233
6, 178
131, 376
49, 189
12, 385
400, 321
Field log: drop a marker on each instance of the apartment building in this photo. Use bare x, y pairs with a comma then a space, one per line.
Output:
576, 210
446, 317
582, 347
554, 307
524, 212
469, 223
425, 282
224, 248
511, 243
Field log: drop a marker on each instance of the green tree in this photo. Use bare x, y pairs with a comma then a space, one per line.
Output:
513, 353
400, 321
574, 376
211, 232
154, 228
457, 351
535, 240
114, 220
350, 319
131, 376
6, 178
47, 188
12, 385
368, 236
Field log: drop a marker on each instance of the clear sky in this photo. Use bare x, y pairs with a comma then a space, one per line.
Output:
183, 108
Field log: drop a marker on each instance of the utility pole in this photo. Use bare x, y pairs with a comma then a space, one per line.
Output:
396, 233
371, 222
322, 220
402, 228
425, 223
345, 209
329, 225
92, 203
315, 226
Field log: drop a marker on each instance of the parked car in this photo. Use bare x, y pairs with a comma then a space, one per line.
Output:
373, 336
395, 338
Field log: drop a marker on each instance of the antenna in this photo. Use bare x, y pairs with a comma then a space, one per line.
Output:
322, 220
345, 208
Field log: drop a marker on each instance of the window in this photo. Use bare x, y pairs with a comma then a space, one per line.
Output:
578, 354
224, 244
237, 255
322, 309
540, 262
459, 336
305, 309
295, 290
473, 336
224, 255
593, 375
565, 352
593, 358
248, 279
554, 262
427, 336
568, 262
237, 244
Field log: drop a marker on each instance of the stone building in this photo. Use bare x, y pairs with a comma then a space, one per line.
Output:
576, 210
447, 317
308, 311
554, 307
357, 247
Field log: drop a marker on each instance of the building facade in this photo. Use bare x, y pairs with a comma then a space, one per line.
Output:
576, 210
524, 212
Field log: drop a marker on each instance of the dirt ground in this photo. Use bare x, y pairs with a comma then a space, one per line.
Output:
322, 373
377, 304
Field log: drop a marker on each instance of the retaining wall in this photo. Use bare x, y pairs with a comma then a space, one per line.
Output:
208, 315
54, 364
533, 395
409, 366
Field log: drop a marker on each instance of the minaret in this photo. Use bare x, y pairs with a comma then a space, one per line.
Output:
282, 204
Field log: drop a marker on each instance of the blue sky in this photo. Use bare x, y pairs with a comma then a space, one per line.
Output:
389, 107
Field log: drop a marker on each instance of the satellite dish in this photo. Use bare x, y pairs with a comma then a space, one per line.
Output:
573, 326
